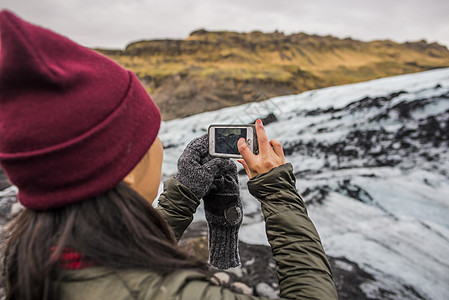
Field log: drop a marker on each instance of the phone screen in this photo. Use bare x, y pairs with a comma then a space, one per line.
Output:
226, 139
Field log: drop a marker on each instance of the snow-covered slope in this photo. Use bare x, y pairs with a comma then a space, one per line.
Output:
372, 162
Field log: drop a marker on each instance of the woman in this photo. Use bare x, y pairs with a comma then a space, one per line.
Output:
79, 140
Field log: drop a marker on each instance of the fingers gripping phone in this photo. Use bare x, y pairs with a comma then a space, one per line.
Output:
223, 139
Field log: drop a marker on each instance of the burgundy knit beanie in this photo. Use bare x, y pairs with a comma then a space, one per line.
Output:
73, 123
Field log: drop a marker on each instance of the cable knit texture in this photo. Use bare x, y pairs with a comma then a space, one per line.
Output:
196, 168
215, 180
224, 215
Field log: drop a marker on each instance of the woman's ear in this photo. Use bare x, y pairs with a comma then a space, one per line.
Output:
130, 179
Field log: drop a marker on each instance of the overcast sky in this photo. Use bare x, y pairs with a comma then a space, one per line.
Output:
116, 23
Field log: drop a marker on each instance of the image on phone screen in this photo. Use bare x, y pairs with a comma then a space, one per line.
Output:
226, 139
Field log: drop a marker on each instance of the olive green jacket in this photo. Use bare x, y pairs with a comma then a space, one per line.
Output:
301, 264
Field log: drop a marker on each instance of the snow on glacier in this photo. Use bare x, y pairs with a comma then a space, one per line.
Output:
398, 230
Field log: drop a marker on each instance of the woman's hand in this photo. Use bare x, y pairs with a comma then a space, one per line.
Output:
197, 169
271, 154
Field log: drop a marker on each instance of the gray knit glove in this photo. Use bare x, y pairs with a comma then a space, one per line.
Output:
196, 168
224, 216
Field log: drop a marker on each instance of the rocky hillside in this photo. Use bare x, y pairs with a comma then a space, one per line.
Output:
211, 70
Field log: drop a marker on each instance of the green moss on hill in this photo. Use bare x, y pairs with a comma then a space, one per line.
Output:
218, 69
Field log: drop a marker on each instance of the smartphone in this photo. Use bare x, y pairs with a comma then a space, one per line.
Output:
223, 139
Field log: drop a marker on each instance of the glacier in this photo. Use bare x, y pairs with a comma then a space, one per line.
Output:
372, 163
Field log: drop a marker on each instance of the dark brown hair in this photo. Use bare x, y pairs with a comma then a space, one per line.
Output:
118, 229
